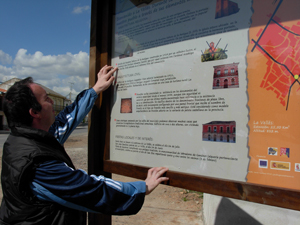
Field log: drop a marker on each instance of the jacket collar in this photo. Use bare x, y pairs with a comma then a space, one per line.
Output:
33, 133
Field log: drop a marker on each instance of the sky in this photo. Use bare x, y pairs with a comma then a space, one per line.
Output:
47, 40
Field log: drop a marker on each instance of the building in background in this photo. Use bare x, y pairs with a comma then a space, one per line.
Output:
59, 101
127, 53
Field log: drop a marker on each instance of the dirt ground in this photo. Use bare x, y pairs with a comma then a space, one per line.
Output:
164, 206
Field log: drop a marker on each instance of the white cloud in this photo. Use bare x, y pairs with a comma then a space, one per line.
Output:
75, 83
5, 58
78, 10
53, 71
41, 65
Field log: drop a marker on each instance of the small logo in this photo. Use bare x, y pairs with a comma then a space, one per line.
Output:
263, 163
285, 152
297, 167
275, 165
272, 151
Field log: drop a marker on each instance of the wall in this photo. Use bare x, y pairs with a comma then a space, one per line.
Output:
225, 211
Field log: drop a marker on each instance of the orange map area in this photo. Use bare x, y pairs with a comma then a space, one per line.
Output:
273, 69
281, 46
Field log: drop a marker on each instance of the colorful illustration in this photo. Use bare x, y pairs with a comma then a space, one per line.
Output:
213, 53
220, 131
272, 151
285, 152
226, 76
297, 167
275, 165
226, 8
263, 163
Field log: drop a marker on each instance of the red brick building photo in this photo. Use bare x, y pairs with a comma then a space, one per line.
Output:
126, 105
226, 76
219, 131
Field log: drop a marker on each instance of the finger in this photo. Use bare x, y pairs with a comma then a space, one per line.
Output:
108, 68
162, 179
103, 68
111, 79
162, 172
158, 173
110, 73
162, 169
157, 168
153, 171
150, 171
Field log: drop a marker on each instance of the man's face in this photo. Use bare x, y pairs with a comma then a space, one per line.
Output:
46, 116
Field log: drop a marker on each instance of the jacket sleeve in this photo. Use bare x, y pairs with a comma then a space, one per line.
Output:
69, 118
56, 182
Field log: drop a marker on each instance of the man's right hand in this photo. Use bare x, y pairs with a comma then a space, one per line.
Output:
154, 178
105, 78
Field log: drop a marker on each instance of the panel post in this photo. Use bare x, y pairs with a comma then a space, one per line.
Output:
98, 136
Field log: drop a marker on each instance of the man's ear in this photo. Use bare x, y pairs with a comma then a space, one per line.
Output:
34, 113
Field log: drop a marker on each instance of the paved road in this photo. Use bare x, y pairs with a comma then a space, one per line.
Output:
81, 129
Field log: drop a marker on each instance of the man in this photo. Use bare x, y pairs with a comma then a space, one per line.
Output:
39, 181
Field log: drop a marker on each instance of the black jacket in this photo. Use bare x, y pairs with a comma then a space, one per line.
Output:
23, 151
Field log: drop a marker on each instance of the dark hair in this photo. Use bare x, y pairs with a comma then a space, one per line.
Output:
17, 101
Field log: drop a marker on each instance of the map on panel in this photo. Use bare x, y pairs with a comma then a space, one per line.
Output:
281, 45
273, 87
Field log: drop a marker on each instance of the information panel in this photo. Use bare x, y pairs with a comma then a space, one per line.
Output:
208, 88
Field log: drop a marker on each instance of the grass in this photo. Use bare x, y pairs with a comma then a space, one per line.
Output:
199, 194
